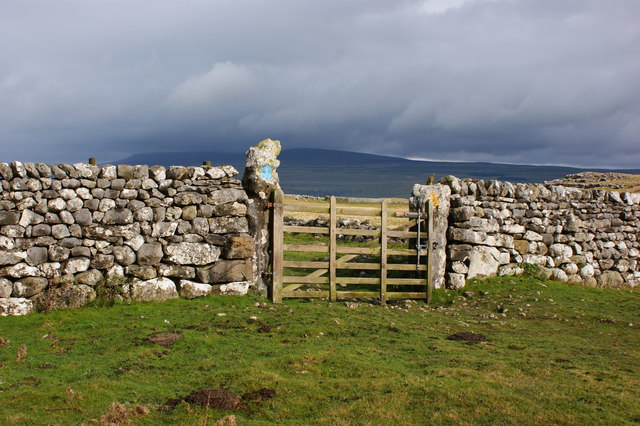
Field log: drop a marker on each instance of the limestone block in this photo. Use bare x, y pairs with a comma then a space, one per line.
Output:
102, 261
6, 287
225, 196
157, 173
587, 271
156, 289
176, 271
41, 230
563, 250
12, 257
570, 268
521, 246
9, 217
76, 264
532, 236
558, 274
459, 267
37, 255
150, 254
12, 231
136, 242
29, 286
58, 253
15, 306
226, 271
189, 212
455, 281
142, 272
124, 255
143, 214
164, 229
192, 253
215, 173
229, 209
191, 290
238, 247
30, 218
81, 251
118, 216
188, 198
511, 270
20, 270
90, 277
611, 279
483, 262
60, 231
228, 225
6, 243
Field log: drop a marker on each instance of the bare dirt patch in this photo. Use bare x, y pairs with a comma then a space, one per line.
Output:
163, 339
221, 399
468, 337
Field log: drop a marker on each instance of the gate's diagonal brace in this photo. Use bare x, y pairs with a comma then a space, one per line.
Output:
320, 272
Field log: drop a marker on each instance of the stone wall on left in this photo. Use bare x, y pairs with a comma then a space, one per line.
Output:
149, 233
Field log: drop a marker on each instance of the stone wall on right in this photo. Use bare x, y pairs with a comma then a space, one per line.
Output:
590, 237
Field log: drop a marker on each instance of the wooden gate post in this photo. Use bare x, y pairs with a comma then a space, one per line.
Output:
383, 252
332, 249
430, 250
277, 249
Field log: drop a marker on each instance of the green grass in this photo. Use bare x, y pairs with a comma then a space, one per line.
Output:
559, 354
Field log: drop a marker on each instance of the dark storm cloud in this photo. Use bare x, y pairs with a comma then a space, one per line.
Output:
491, 80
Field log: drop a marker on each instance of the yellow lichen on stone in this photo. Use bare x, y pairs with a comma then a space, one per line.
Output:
275, 145
434, 199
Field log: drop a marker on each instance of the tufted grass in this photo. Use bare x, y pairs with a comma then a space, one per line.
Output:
558, 354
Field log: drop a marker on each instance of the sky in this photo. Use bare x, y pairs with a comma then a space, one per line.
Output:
512, 81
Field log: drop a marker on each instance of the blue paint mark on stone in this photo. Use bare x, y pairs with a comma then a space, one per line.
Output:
266, 172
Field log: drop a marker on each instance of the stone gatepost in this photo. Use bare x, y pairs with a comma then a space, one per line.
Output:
439, 196
259, 181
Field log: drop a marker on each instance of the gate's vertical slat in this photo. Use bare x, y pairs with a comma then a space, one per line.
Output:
332, 249
430, 250
383, 251
278, 200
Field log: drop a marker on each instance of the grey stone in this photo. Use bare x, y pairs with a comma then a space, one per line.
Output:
239, 288
9, 218
124, 255
142, 272
483, 262
238, 247
6, 287
58, 253
102, 261
12, 231
81, 251
83, 217
226, 271
15, 306
176, 271
76, 264
191, 290
150, 254
611, 279
157, 289
29, 286
187, 198
455, 281
193, 253
224, 196
164, 229
20, 270
91, 277
119, 216
228, 225
12, 257
36, 255
41, 230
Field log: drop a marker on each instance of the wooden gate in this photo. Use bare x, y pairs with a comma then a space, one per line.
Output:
325, 257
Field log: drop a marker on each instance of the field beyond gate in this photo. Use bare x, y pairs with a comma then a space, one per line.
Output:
329, 257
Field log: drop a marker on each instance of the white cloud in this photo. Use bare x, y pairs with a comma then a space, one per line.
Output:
223, 86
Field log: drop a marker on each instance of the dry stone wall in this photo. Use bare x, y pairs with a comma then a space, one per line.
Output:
149, 233
590, 237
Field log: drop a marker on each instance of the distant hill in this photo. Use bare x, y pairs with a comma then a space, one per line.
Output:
323, 172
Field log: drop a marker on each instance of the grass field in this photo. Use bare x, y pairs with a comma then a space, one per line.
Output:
549, 353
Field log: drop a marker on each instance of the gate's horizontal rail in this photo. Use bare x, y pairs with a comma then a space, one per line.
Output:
354, 294
318, 248
347, 211
287, 279
346, 231
367, 266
